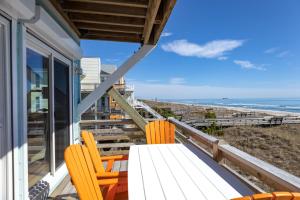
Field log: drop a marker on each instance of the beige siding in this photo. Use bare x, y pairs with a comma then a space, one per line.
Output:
91, 68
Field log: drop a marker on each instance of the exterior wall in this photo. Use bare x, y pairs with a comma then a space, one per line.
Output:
45, 27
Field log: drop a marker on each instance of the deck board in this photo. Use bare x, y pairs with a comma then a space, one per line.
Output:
65, 190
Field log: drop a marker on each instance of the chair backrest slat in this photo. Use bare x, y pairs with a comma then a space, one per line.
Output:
152, 132
167, 131
263, 196
148, 133
75, 173
172, 130
160, 132
272, 196
80, 168
296, 195
90, 143
84, 172
157, 132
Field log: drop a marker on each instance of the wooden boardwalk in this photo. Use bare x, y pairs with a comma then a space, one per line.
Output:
141, 105
258, 121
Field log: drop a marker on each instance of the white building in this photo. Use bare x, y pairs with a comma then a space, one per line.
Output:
91, 69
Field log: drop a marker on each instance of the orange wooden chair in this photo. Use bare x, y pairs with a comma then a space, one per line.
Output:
272, 196
98, 160
83, 177
160, 132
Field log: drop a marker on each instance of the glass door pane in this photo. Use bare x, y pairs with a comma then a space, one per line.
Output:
38, 116
61, 110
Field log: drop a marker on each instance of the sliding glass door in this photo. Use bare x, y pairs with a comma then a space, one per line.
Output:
61, 109
49, 110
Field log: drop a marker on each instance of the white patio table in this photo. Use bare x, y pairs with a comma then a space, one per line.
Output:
172, 171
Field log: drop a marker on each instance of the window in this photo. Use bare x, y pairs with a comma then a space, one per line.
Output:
103, 78
37, 104
38, 118
37, 81
61, 110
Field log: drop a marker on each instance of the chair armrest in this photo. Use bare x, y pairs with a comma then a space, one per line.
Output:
111, 159
116, 157
106, 182
112, 174
112, 181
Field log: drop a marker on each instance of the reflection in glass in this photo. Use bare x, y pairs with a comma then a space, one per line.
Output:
38, 116
61, 110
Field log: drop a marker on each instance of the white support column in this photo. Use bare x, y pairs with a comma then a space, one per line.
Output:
121, 71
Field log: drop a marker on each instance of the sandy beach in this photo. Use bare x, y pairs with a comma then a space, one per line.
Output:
241, 109
278, 145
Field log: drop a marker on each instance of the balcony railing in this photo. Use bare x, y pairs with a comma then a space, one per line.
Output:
116, 137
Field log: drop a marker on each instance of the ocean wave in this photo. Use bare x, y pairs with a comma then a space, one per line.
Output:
288, 105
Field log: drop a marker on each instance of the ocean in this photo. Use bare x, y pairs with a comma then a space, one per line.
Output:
286, 105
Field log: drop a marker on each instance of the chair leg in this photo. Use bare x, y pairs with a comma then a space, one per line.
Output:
111, 192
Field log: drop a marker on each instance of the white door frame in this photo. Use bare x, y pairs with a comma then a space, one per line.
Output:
6, 167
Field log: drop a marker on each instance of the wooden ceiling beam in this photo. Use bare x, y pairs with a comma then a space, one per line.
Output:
153, 7
129, 3
58, 7
97, 8
109, 28
107, 19
108, 33
112, 38
167, 7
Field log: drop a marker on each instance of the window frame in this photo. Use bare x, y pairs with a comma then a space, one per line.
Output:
7, 185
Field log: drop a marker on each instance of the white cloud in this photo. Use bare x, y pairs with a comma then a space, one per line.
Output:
283, 54
212, 49
166, 34
271, 50
222, 58
169, 91
245, 64
177, 81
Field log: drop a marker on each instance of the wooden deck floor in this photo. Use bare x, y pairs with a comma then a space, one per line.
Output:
66, 190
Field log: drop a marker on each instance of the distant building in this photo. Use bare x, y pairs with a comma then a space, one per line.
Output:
91, 69
95, 73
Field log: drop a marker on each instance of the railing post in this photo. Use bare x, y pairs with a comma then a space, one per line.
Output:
215, 151
217, 154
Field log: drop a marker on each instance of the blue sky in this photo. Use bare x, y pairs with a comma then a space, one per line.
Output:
215, 49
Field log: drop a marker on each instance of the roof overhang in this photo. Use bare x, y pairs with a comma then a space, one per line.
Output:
140, 21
